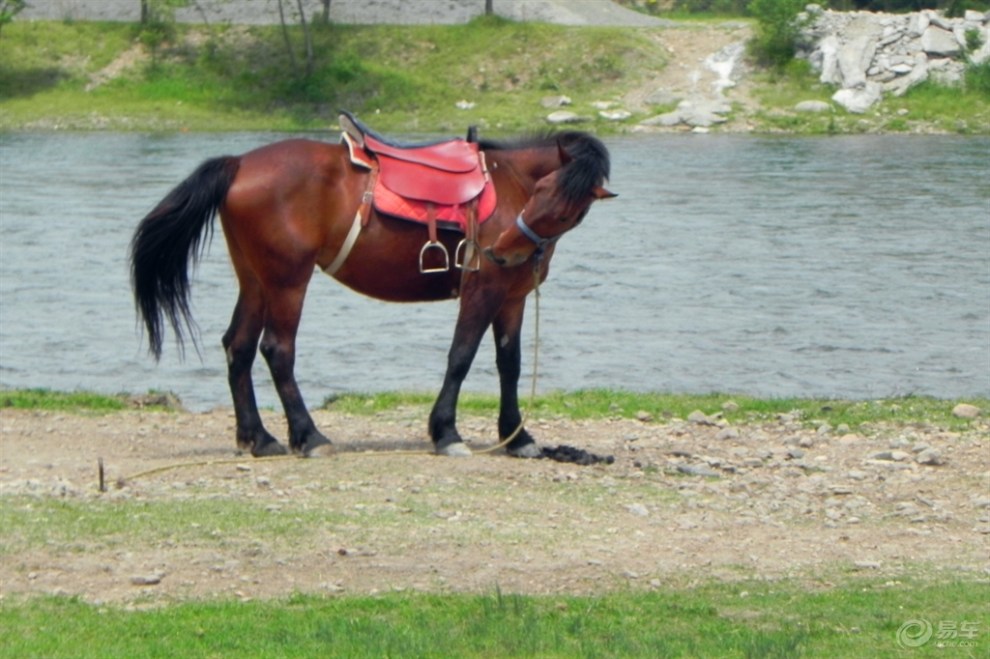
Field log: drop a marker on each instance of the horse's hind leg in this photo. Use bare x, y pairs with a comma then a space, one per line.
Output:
240, 343
278, 345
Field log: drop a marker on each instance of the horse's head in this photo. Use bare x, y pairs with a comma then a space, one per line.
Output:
559, 202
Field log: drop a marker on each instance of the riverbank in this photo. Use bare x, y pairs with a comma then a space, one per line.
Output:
96, 76
683, 500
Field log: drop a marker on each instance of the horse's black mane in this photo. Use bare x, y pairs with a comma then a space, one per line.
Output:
589, 166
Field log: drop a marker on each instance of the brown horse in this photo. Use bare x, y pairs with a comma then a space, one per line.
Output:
287, 208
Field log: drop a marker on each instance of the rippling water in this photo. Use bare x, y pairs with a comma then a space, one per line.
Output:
847, 266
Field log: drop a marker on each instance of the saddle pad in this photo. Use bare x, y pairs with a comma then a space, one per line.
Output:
453, 216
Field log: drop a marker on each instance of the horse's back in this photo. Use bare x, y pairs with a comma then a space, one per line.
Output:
286, 201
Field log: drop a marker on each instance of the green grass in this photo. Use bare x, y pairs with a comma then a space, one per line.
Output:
755, 619
74, 401
579, 404
402, 78
241, 78
45, 399
603, 403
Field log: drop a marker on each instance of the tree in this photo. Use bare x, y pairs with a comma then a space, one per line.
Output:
9, 9
307, 36
158, 23
489, 7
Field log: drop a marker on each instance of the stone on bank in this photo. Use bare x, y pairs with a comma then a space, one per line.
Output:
871, 54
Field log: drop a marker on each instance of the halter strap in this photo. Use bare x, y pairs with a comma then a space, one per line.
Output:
541, 243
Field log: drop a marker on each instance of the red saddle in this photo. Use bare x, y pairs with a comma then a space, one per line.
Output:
429, 183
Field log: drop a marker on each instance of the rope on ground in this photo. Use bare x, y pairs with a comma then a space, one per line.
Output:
122, 481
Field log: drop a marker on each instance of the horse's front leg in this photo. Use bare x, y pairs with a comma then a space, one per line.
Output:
472, 321
507, 328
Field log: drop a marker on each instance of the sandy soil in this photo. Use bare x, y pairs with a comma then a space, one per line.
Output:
684, 502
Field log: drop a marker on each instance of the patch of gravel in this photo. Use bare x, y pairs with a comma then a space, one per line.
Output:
683, 502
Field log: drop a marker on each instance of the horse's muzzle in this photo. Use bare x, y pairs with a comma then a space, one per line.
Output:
512, 260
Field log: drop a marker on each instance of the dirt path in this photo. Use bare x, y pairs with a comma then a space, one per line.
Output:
683, 502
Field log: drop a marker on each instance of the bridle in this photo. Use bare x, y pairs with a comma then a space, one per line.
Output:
540, 242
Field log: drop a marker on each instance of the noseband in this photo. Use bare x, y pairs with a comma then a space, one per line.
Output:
541, 243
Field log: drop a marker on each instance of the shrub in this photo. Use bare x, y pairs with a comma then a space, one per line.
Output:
977, 79
777, 30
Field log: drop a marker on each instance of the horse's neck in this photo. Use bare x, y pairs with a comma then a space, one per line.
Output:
527, 166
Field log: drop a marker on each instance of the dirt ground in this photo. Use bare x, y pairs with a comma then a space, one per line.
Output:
684, 502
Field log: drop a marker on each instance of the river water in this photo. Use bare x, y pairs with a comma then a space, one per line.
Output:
856, 267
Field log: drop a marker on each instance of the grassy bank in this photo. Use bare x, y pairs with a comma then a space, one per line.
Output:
581, 404
91, 75
61, 75
718, 620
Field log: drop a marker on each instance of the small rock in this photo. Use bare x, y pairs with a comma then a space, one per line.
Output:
867, 565
966, 411
860, 99
697, 470
730, 406
700, 418
727, 433
644, 416
146, 579
813, 106
930, 456
464, 105
893, 456
565, 117
638, 509
662, 97
615, 115
555, 101
667, 120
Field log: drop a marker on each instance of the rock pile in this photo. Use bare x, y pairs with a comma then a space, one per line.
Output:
871, 54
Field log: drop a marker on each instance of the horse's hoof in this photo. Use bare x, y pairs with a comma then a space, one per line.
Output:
530, 450
318, 450
268, 450
455, 450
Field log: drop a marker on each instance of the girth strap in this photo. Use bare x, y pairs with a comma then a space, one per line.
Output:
361, 218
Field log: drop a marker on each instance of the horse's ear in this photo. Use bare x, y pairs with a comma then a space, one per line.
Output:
601, 193
562, 153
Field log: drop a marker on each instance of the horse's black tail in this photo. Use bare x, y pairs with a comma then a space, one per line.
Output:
167, 240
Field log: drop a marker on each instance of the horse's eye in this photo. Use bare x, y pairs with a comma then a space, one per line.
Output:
580, 217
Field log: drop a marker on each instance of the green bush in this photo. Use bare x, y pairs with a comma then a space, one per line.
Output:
777, 29
977, 80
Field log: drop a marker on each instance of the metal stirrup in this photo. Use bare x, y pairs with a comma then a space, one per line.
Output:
431, 245
467, 256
